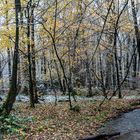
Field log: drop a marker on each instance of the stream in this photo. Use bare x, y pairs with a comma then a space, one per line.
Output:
127, 124
51, 98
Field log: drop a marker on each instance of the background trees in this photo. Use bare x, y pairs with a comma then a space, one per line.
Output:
69, 45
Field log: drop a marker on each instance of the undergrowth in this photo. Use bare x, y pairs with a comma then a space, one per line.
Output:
14, 125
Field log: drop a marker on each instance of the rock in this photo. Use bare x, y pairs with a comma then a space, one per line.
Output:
22, 98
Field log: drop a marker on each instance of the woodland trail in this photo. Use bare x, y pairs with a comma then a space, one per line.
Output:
127, 124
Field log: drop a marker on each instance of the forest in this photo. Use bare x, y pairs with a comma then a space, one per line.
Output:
68, 67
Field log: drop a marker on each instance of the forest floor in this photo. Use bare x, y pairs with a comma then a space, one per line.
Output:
50, 122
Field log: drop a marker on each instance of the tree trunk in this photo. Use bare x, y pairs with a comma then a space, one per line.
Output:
8, 50
31, 90
88, 76
8, 104
116, 64
59, 78
33, 56
9, 64
137, 34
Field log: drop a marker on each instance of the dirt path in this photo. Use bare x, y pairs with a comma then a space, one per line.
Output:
127, 124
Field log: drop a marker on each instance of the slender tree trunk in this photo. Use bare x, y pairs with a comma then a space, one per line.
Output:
33, 56
134, 69
1, 75
31, 88
9, 64
57, 55
52, 83
136, 26
8, 50
88, 76
8, 104
59, 78
116, 64
102, 75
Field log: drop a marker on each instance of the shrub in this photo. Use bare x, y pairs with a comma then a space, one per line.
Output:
76, 108
13, 125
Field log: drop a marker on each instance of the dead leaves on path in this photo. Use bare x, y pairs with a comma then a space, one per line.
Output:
59, 123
